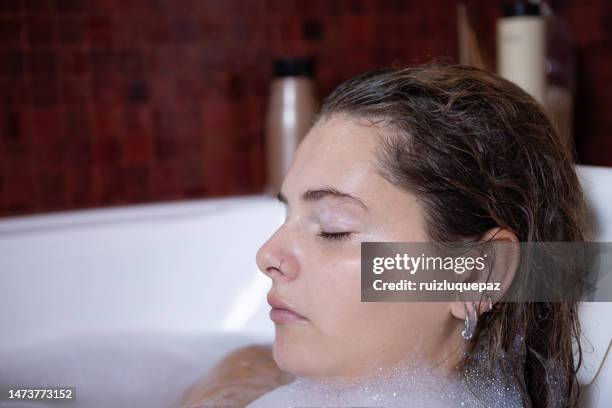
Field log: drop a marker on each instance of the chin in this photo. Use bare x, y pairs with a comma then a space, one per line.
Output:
305, 358
295, 355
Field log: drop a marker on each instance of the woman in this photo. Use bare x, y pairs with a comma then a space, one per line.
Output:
433, 153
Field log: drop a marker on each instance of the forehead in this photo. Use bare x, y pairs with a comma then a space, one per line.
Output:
336, 152
342, 154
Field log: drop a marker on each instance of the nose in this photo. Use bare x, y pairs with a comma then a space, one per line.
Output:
276, 259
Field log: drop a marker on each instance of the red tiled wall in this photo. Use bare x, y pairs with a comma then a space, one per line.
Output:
106, 102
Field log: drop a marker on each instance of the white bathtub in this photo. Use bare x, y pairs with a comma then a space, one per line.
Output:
131, 302
130, 305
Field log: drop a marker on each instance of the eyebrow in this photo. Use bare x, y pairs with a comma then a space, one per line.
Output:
318, 194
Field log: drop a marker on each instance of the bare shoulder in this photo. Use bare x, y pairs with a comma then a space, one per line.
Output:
241, 377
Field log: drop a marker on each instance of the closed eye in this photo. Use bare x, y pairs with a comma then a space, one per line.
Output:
334, 236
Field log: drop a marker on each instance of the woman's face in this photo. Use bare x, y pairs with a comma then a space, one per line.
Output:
335, 199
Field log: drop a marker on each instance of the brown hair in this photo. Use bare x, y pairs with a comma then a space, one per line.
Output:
480, 153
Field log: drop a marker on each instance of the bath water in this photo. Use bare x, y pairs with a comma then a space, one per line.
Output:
403, 387
116, 369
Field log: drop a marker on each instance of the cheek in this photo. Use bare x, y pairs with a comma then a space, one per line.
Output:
383, 331
336, 286
343, 321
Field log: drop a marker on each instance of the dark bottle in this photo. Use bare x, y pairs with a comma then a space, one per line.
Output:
292, 108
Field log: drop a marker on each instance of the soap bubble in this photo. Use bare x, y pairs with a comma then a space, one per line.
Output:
400, 387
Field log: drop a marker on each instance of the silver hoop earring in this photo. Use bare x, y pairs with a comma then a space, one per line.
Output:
470, 322
490, 302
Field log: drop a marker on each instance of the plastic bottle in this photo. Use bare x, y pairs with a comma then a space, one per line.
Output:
521, 47
292, 108
560, 75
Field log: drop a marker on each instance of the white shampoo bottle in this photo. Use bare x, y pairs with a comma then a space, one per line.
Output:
521, 48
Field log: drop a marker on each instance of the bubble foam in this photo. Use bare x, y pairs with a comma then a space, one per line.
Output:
399, 387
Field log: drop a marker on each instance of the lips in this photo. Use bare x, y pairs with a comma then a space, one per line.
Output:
282, 311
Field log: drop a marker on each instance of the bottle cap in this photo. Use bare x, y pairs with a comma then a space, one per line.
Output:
519, 8
294, 66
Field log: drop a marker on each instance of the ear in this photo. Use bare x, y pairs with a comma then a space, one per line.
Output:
503, 270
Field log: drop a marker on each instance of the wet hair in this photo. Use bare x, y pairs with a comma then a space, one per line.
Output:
480, 153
